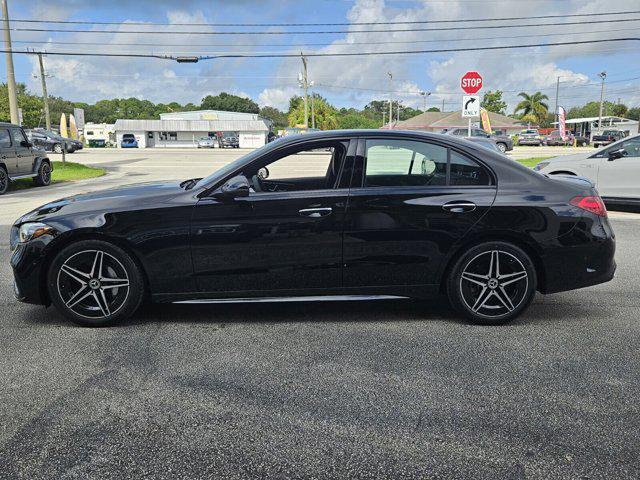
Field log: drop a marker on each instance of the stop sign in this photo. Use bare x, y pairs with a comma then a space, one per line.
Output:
471, 82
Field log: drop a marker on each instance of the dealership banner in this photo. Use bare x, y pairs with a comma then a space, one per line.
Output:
78, 114
562, 125
486, 124
63, 125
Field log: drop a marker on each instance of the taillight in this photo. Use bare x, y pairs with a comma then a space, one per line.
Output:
593, 204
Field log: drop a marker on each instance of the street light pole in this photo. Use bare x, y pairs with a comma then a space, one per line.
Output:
11, 78
305, 85
390, 99
424, 96
555, 110
602, 75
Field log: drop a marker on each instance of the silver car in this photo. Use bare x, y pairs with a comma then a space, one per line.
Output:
207, 142
615, 170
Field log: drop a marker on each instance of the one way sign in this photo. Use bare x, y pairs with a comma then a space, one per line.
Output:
470, 106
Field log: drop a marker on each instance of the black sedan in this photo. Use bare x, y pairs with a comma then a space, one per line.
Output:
330, 215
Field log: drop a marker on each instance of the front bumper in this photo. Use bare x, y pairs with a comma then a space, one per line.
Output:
529, 141
28, 262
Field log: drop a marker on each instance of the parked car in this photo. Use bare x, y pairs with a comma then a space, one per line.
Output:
607, 137
229, 141
581, 140
489, 143
555, 139
128, 141
207, 142
614, 170
530, 136
504, 143
77, 144
40, 140
19, 158
435, 213
60, 141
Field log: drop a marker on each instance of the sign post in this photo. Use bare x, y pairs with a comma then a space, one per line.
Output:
471, 83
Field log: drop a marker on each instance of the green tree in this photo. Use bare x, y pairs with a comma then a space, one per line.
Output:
533, 106
433, 109
492, 101
357, 120
633, 113
230, 103
278, 118
326, 115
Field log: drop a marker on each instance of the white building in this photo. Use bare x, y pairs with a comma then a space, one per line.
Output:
184, 129
100, 131
589, 126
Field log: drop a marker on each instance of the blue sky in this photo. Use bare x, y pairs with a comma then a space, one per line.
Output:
350, 81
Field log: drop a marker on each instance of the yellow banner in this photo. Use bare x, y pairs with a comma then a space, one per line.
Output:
63, 125
486, 124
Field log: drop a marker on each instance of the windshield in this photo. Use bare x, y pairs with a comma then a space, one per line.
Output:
227, 169
610, 132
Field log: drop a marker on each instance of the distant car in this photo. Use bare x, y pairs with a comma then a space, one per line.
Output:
60, 141
207, 142
581, 140
19, 158
78, 144
229, 141
40, 140
530, 136
607, 137
504, 143
555, 139
488, 143
614, 170
128, 141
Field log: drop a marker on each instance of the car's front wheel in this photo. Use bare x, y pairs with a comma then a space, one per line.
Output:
4, 181
492, 283
57, 148
95, 283
44, 175
502, 147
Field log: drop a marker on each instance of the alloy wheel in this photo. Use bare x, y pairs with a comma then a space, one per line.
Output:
46, 174
4, 180
494, 283
93, 284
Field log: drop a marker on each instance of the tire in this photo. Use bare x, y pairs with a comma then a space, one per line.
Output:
476, 290
595, 145
92, 296
4, 181
502, 147
43, 178
57, 148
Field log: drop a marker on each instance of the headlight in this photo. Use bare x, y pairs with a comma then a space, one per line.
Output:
540, 166
30, 231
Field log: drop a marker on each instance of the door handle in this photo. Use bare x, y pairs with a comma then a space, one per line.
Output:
315, 212
459, 207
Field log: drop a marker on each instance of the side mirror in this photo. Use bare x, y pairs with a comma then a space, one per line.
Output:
621, 152
26, 144
235, 187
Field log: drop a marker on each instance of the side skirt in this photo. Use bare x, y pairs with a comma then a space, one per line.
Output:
319, 298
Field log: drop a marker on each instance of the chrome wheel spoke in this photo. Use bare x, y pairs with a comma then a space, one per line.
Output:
111, 283
101, 299
475, 278
512, 278
80, 295
485, 295
504, 299
494, 266
75, 274
96, 270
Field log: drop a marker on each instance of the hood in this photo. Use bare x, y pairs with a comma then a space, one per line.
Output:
128, 197
570, 158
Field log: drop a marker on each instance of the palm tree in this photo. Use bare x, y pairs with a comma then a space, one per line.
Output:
325, 114
533, 106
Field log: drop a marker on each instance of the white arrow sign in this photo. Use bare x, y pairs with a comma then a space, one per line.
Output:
470, 106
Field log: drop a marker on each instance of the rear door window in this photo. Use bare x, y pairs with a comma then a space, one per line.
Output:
5, 139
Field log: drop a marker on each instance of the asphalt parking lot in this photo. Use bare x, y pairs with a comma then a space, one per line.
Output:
398, 389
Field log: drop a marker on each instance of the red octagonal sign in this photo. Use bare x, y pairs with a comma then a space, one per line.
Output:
471, 82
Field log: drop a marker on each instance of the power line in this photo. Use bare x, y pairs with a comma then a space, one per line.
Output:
320, 24
322, 32
321, 44
323, 54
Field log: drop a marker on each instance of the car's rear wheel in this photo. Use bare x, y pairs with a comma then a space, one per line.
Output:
57, 148
44, 175
492, 283
502, 147
94, 283
4, 181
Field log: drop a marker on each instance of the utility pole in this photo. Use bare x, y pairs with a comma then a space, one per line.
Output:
384, 116
398, 111
424, 96
45, 97
11, 78
313, 111
305, 85
602, 75
442, 105
390, 99
555, 110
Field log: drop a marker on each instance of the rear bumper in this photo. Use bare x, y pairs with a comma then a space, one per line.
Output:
529, 142
585, 258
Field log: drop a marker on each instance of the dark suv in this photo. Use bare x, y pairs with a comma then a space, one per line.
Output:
20, 159
504, 143
229, 141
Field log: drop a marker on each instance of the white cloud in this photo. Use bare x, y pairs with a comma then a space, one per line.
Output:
277, 97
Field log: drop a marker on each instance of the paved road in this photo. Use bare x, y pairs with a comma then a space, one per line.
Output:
368, 390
